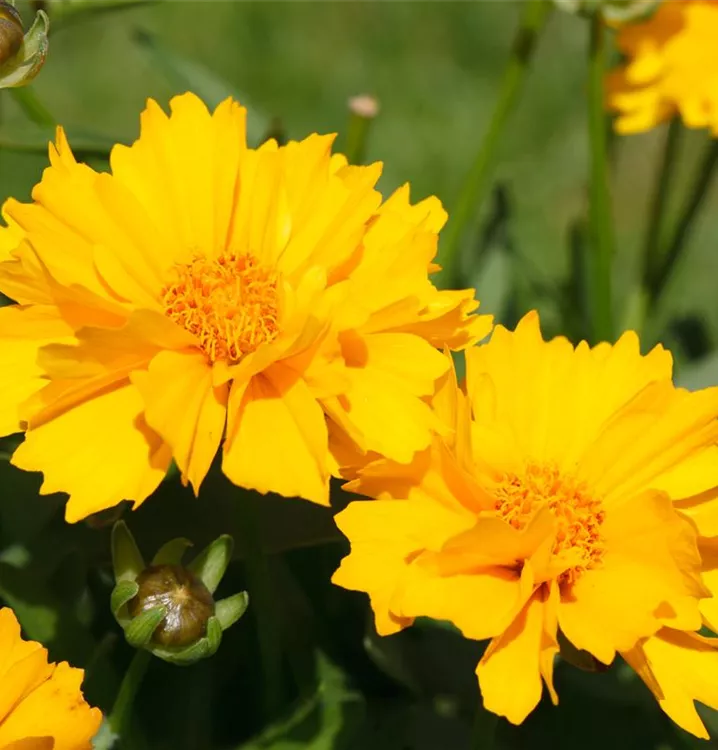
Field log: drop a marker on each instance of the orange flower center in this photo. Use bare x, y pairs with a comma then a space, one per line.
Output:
230, 303
579, 515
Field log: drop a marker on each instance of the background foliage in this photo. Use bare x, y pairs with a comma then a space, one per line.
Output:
435, 69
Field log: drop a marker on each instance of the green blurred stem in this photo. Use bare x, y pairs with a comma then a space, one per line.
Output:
696, 198
263, 606
483, 733
118, 720
477, 182
33, 108
637, 307
601, 239
357, 136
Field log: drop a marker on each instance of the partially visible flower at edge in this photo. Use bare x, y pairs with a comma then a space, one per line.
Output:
575, 495
41, 704
205, 294
671, 69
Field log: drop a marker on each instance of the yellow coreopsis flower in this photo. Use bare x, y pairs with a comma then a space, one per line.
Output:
571, 496
205, 292
41, 704
671, 68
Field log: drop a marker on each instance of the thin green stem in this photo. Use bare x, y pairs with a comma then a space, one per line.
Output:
696, 198
600, 222
657, 214
263, 606
477, 182
637, 305
117, 724
483, 733
33, 108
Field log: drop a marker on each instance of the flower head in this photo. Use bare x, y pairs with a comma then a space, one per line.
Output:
671, 68
169, 608
573, 496
208, 293
41, 704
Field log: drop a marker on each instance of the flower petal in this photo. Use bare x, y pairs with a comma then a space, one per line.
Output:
510, 671
684, 668
100, 452
184, 409
277, 437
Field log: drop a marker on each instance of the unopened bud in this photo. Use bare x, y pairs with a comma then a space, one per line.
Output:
21, 55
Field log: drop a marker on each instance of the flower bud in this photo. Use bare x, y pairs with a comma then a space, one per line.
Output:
21, 55
168, 608
612, 10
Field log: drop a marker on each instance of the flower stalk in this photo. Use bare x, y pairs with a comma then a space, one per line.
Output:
477, 182
601, 237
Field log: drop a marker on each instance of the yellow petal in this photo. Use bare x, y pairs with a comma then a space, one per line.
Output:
55, 708
382, 535
184, 409
100, 452
277, 437
510, 671
23, 330
685, 669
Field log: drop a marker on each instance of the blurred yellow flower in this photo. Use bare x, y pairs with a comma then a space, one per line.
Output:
570, 496
206, 292
671, 68
41, 704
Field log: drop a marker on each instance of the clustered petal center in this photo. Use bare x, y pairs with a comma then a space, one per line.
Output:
579, 542
231, 303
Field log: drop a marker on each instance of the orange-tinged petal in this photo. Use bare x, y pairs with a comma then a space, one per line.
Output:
510, 672
377, 562
382, 404
277, 437
684, 668
23, 330
100, 452
481, 604
55, 708
184, 409
648, 576
709, 606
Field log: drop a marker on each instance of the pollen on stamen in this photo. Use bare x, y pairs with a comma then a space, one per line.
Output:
231, 303
579, 514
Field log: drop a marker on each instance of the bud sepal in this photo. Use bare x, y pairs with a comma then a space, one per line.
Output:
168, 608
21, 54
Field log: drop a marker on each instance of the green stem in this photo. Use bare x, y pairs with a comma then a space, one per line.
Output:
263, 607
600, 219
637, 306
117, 723
483, 733
33, 108
696, 198
476, 184
357, 134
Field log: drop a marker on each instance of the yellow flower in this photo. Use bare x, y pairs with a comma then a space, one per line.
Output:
41, 704
671, 68
570, 495
206, 293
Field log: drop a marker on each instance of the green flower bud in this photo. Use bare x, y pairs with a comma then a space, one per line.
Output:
612, 10
21, 55
168, 608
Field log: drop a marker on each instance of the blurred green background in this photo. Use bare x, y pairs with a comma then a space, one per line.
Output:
435, 69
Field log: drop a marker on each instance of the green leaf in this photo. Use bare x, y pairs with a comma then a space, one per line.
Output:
121, 594
317, 721
184, 74
139, 632
172, 552
127, 560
